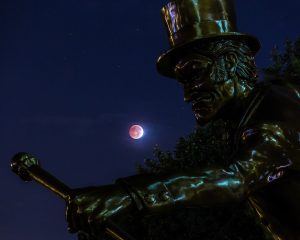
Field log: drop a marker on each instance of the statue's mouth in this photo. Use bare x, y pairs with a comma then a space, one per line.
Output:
203, 100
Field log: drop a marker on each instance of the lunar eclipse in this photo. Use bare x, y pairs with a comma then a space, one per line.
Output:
136, 132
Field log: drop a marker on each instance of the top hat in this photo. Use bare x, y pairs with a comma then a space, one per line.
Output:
190, 21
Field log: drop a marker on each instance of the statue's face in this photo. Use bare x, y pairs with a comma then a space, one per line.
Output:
208, 83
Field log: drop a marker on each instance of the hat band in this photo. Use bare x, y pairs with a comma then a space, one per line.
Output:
201, 30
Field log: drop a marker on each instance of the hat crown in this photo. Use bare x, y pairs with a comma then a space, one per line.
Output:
206, 16
193, 21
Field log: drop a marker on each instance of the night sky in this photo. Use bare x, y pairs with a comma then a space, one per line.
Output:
74, 76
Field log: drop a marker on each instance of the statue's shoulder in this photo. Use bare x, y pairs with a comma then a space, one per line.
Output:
280, 103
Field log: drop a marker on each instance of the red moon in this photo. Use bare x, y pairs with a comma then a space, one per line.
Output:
136, 132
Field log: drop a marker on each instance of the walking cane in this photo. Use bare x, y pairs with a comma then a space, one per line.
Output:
28, 168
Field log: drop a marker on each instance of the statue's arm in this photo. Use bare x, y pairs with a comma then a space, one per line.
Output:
266, 153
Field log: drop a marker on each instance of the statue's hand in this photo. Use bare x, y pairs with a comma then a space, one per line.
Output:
91, 208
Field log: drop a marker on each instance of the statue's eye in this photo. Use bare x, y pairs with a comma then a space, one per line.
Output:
192, 69
195, 70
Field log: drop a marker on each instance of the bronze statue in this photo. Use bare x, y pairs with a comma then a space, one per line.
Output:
215, 65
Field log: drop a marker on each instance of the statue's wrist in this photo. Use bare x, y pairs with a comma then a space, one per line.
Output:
148, 193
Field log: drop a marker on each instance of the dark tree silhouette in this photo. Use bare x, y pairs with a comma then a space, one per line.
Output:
285, 66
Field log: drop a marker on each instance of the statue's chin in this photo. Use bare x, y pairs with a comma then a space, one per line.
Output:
204, 111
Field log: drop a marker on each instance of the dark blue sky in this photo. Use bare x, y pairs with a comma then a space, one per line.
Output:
74, 76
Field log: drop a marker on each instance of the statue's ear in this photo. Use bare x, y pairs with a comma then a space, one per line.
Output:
231, 63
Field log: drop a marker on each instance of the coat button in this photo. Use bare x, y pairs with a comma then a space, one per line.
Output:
164, 196
149, 198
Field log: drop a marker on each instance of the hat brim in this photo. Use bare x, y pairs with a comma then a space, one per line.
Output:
167, 61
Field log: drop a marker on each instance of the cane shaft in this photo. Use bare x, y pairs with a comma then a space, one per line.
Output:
50, 182
113, 234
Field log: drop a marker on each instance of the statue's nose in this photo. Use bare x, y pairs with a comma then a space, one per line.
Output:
192, 89
189, 93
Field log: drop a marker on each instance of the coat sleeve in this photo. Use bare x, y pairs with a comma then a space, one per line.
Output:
266, 153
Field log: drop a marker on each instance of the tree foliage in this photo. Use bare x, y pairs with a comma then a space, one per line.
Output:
204, 147
285, 66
